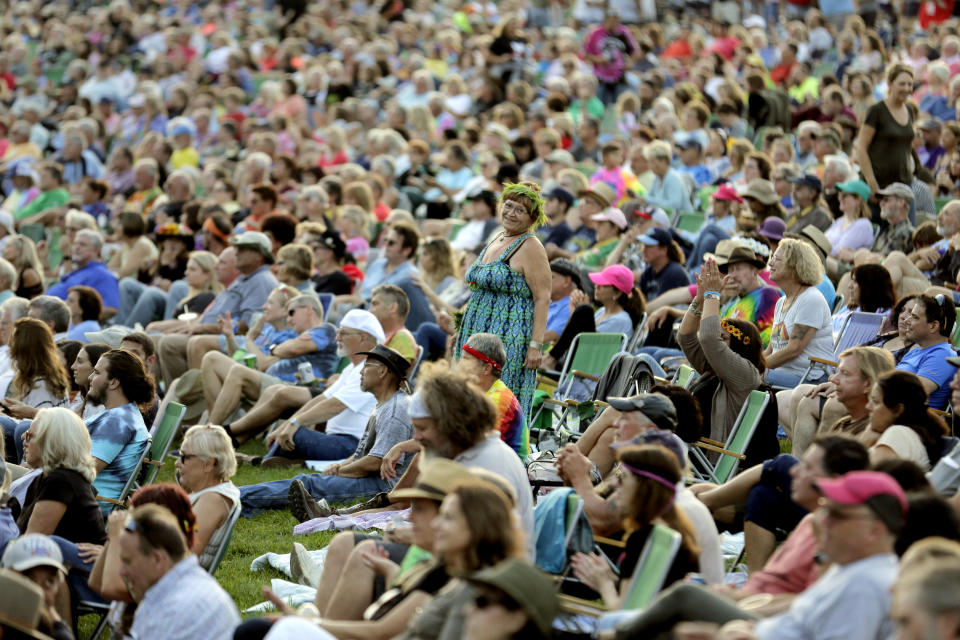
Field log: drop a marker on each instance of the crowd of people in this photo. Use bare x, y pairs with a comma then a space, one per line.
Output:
369, 234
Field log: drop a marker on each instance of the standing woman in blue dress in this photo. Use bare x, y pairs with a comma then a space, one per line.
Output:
511, 289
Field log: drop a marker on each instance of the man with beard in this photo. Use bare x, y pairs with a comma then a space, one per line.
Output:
755, 301
120, 383
382, 375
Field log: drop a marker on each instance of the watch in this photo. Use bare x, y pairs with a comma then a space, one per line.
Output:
536, 345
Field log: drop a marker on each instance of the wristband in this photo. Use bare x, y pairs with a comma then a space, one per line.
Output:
712, 294
295, 423
536, 345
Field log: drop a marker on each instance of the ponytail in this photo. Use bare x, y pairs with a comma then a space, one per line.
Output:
635, 304
675, 253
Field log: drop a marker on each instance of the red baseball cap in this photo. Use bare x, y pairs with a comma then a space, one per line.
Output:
875, 489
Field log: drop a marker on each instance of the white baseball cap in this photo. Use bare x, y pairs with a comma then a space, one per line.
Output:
32, 550
364, 321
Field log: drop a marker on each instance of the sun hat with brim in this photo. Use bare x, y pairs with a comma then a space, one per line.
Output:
526, 585
656, 236
392, 359
20, 605
32, 550
436, 478
614, 215
898, 190
742, 253
617, 276
727, 193
365, 321
877, 490
561, 156
772, 228
856, 187
762, 191
601, 192
255, 240
658, 409
722, 251
813, 235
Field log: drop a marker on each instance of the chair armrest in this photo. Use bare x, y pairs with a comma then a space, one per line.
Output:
715, 443
726, 452
558, 403
601, 403
829, 363
610, 542
111, 501
154, 463
571, 604
588, 376
661, 380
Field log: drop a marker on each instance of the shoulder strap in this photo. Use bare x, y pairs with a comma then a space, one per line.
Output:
513, 248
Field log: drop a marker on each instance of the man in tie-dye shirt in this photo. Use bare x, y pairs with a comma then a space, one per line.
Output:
482, 359
756, 300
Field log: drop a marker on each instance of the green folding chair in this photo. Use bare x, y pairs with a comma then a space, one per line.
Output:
163, 437
955, 335
652, 567
131, 484
732, 452
222, 550
685, 376
690, 221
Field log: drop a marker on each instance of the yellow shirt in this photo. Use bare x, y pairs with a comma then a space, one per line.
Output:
403, 343
186, 157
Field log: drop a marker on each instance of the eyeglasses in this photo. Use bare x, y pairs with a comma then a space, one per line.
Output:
293, 311
186, 456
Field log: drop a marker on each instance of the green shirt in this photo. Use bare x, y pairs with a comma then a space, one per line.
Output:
596, 256
46, 200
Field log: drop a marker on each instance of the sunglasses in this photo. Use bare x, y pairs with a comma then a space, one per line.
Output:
185, 456
484, 600
293, 311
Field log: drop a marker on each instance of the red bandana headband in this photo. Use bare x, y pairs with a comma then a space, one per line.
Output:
482, 358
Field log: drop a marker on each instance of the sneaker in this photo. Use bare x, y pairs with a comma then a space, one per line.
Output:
303, 506
303, 568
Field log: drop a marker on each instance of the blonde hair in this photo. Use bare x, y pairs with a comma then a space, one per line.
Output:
211, 441
357, 217
657, 149
63, 441
871, 361
207, 263
802, 260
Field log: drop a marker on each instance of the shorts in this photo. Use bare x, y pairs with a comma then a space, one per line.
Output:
769, 505
395, 551
267, 380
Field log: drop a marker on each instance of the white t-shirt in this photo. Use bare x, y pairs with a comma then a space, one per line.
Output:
711, 555
811, 310
907, 445
359, 404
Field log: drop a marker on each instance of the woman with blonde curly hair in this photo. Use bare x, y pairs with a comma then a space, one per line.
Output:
802, 322
61, 501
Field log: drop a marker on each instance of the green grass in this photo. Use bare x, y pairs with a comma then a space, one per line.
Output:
270, 531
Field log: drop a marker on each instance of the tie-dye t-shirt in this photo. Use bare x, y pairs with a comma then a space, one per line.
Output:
757, 307
511, 421
118, 436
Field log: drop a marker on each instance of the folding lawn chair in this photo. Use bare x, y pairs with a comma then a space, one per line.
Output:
132, 481
639, 334
859, 327
733, 451
685, 376
225, 544
163, 437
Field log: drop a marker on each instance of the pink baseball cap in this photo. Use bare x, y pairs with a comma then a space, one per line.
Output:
727, 192
614, 215
615, 275
877, 490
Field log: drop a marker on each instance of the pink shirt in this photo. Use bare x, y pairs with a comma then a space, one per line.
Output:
791, 568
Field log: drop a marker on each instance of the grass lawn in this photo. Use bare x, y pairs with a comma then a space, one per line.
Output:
252, 537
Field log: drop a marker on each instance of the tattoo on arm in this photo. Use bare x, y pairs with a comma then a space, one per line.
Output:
800, 331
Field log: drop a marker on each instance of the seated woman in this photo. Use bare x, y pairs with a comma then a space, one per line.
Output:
438, 271
202, 286
227, 383
40, 380
85, 305
901, 424
649, 476
61, 500
870, 291
852, 230
728, 355
144, 298
622, 306
82, 368
294, 266
802, 326
21, 252
474, 529
136, 249
204, 468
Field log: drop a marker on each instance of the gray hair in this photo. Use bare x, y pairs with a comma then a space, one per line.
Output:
841, 163
93, 236
307, 301
52, 309
19, 307
491, 346
7, 271
150, 164
212, 441
932, 585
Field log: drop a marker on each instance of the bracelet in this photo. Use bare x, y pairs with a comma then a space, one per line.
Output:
711, 294
536, 345
295, 423
694, 309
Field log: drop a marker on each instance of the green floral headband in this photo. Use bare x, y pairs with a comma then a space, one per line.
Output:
514, 189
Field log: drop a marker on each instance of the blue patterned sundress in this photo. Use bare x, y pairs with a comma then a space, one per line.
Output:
502, 304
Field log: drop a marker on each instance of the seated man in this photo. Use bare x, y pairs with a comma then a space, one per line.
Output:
245, 296
52, 311
383, 374
929, 323
565, 279
482, 360
178, 599
391, 306
777, 493
914, 272
859, 517
343, 406
839, 405
89, 271
227, 382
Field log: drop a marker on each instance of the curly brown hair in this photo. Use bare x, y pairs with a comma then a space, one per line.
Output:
462, 413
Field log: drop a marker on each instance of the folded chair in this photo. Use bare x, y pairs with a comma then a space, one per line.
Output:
732, 452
